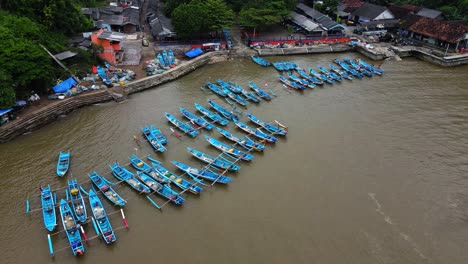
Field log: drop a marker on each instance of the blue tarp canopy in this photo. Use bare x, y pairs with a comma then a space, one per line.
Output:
20, 103
65, 85
193, 53
4, 111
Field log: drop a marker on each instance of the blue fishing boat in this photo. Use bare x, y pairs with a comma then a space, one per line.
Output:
264, 95
237, 98
250, 96
358, 68
229, 149
216, 89
219, 161
171, 57
300, 81
213, 116
226, 113
161, 189
155, 143
106, 190
291, 84
102, 221
69, 225
277, 130
140, 165
227, 86
378, 70
77, 201
256, 132
158, 134
63, 163
204, 174
235, 87
199, 121
48, 208
343, 74
309, 78
124, 175
322, 77
284, 65
165, 58
245, 142
329, 74
177, 180
186, 128
104, 77
260, 61
347, 68
161, 61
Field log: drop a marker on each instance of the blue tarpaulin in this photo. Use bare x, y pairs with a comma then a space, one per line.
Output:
4, 111
193, 53
65, 85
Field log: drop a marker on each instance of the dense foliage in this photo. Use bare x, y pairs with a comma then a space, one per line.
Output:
24, 26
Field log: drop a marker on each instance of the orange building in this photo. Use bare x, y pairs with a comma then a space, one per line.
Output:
110, 43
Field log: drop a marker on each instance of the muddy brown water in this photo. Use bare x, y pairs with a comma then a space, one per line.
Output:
371, 171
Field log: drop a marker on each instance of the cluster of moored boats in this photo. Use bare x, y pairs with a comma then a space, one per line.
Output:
151, 176
300, 79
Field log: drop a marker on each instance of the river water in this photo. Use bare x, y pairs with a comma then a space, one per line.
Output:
372, 171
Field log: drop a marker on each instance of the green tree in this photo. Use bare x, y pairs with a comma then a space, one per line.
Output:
263, 14
187, 19
7, 97
217, 15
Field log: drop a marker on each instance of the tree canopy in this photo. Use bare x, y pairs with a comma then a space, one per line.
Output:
260, 14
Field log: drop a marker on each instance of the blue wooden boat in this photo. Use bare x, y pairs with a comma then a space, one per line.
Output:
140, 165
216, 89
227, 87
155, 143
229, 149
158, 134
322, 77
343, 74
378, 70
219, 161
358, 68
204, 174
291, 84
237, 98
264, 95
77, 201
250, 96
171, 57
177, 180
199, 121
48, 208
284, 65
260, 61
226, 113
329, 74
213, 116
161, 189
166, 58
186, 128
106, 190
124, 175
256, 132
162, 63
69, 225
235, 87
104, 77
63, 163
277, 130
309, 78
300, 81
347, 68
245, 142
100, 215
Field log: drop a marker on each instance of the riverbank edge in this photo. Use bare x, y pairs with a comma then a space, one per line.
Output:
48, 114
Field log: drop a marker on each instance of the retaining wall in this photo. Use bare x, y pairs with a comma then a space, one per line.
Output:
42, 116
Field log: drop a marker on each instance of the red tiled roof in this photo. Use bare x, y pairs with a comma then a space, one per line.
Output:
399, 11
443, 30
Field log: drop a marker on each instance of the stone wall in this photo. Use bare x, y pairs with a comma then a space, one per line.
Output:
442, 61
305, 50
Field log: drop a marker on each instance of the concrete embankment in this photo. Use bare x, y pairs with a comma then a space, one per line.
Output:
49, 113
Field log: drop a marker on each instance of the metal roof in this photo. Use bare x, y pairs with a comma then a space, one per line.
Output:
304, 22
430, 13
112, 35
65, 55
